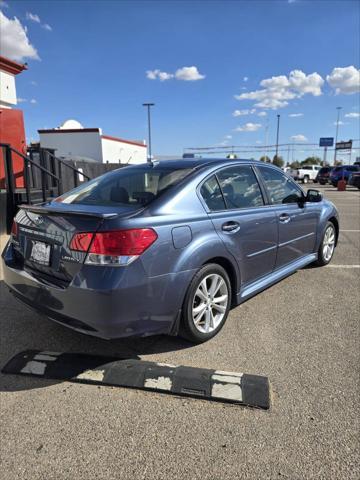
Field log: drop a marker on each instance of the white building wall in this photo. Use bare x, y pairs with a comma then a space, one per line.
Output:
83, 144
115, 151
7, 90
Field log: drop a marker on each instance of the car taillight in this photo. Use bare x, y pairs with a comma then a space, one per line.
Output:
117, 247
14, 229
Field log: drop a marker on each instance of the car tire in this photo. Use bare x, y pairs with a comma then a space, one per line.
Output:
202, 317
327, 245
306, 179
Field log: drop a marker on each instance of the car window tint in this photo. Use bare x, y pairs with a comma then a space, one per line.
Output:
281, 188
211, 193
131, 187
240, 187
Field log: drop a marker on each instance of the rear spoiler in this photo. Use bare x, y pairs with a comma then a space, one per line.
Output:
58, 211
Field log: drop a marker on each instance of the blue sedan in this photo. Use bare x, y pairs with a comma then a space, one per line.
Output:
166, 247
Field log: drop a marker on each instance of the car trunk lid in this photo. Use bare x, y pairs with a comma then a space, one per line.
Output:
42, 238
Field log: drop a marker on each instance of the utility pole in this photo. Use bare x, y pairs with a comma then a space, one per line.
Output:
277, 135
266, 138
337, 131
149, 105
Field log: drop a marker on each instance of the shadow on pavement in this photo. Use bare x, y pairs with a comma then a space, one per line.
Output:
22, 329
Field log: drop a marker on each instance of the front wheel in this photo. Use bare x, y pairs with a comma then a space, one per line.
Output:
206, 305
306, 179
327, 246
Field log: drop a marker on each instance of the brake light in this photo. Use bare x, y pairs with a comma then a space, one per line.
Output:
80, 242
119, 247
14, 229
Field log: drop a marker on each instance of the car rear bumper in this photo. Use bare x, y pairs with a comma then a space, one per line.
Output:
136, 305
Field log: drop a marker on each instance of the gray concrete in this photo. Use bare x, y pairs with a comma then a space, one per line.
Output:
303, 334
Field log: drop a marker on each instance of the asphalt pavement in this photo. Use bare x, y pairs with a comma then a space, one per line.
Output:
302, 333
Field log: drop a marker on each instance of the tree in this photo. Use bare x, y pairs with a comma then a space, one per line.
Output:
295, 165
311, 161
278, 161
265, 158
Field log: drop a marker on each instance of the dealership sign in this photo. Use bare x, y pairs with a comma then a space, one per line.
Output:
326, 142
344, 145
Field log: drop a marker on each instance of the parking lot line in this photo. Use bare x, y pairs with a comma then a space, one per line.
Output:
342, 266
349, 231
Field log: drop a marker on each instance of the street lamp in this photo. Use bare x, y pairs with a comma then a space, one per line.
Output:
277, 135
149, 105
337, 131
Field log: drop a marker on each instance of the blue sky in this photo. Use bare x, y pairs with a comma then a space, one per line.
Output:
93, 66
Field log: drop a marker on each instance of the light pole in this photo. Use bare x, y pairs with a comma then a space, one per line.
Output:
277, 135
337, 131
149, 105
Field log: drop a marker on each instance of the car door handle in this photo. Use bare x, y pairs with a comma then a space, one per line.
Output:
230, 227
284, 218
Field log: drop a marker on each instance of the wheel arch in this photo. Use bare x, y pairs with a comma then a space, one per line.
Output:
335, 222
232, 273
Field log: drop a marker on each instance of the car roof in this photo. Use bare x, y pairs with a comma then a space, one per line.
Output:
202, 162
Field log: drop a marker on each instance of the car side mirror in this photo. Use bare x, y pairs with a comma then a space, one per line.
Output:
313, 195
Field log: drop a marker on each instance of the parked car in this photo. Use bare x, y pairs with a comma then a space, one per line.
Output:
305, 173
165, 247
342, 172
354, 179
323, 175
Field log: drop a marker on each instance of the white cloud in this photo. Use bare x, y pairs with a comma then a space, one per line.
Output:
47, 27
33, 17
21, 100
33, 101
3, 4
157, 74
14, 41
246, 79
258, 142
295, 115
240, 113
299, 138
262, 114
340, 122
352, 115
278, 90
228, 137
345, 80
189, 74
34, 83
248, 127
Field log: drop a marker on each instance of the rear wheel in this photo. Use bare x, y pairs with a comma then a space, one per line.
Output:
306, 179
206, 305
327, 246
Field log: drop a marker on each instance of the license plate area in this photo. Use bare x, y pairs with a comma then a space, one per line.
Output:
40, 253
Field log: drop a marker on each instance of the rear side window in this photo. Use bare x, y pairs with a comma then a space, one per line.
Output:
352, 168
132, 187
211, 193
280, 187
240, 187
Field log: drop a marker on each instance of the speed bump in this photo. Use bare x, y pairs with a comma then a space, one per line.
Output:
217, 385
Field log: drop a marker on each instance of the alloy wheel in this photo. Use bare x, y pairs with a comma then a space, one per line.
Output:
210, 303
328, 244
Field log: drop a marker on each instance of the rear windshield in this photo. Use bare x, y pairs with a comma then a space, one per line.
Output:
130, 186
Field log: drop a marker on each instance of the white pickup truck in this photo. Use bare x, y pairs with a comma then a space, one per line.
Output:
305, 173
